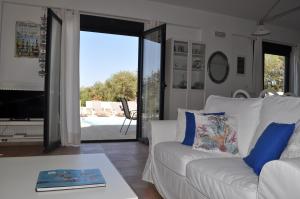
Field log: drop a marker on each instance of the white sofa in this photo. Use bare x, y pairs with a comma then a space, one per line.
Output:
179, 172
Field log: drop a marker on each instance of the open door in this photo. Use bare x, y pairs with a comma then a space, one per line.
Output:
52, 82
152, 82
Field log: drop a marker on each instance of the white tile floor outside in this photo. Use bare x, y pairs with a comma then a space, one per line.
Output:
106, 128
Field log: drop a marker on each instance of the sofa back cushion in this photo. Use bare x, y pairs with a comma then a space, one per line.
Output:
277, 109
247, 111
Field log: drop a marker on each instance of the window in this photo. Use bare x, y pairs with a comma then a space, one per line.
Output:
276, 64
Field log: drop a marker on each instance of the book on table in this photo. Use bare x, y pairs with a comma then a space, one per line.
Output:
62, 179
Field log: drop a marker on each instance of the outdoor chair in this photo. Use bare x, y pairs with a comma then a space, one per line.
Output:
130, 115
267, 92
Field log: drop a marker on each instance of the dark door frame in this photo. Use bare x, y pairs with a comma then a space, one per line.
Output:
162, 77
281, 50
47, 146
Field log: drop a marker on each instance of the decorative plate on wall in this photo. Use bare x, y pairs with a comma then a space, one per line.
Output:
218, 67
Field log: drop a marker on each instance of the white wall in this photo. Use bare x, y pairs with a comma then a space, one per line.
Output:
146, 10
183, 33
18, 72
232, 46
204, 23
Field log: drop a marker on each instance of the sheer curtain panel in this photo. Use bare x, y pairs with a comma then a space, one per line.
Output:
70, 97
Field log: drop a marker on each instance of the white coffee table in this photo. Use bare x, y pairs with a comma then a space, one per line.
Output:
18, 177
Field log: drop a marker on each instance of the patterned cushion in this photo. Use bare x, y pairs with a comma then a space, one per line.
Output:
216, 133
191, 127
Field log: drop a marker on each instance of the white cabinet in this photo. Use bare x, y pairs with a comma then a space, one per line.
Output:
185, 76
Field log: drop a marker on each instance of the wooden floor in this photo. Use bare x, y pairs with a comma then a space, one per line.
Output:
128, 157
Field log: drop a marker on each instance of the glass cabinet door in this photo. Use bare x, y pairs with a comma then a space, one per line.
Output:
198, 66
180, 61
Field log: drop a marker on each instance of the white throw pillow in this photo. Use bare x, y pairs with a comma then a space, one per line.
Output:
216, 133
181, 122
246, 110
280, 109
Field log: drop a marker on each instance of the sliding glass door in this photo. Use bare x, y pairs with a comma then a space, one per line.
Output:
152, 77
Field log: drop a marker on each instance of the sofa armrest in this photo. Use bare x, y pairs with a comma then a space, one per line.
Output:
159, 131
280, 179
162, 131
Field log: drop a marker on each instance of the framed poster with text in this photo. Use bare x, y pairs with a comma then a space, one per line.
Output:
27, 39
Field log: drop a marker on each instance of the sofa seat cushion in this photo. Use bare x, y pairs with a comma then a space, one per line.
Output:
223, 178
176, 156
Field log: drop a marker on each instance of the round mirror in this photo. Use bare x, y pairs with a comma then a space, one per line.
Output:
218, 67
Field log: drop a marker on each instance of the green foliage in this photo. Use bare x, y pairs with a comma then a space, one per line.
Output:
274, 72
151, 88
121, 84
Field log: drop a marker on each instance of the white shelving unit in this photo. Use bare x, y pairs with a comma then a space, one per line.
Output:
21, 131
185, 76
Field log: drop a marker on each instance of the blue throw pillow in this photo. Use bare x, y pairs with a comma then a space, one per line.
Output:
269, 146
191, 127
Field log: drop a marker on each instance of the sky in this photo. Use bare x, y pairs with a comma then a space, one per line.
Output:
102, 55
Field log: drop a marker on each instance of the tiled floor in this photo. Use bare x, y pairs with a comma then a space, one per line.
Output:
128, 157
106, 128
107, 132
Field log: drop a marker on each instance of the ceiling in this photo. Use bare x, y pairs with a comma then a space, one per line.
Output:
247, 9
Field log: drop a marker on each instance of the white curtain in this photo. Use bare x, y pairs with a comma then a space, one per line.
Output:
70, 111
257, 67
295, 71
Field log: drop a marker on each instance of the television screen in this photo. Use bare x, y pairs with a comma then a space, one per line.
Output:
16, 104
